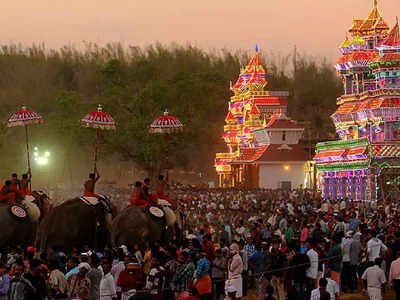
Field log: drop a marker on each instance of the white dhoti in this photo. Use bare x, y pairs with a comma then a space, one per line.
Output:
237, 282
374, 293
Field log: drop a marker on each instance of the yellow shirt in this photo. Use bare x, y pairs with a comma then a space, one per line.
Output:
147, 262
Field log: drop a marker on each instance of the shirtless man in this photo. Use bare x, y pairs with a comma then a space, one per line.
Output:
15, 183
24, 183
90, 185
161, 187
6, 193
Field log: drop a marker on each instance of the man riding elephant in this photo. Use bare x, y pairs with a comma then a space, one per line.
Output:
160, 191
6, 193
138, 197
90, 185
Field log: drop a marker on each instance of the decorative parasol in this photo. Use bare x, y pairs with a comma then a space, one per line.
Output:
98, 120
25, 117
166, 124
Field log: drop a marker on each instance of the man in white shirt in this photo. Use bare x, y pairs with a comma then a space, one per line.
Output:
374, 247
374, 279
321, 292
107, 285
312, 271
332, 287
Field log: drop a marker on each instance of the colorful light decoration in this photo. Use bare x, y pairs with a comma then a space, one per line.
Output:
370, 72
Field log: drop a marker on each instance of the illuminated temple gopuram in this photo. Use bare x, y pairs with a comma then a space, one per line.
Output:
262, 142
364, 163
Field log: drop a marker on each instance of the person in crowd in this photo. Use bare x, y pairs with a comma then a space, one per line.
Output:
394, 275
235, 269
130, 279
79, 284
20, 287
183, 278
4, 281
203, 275
95, 275
298, 265
155, 280
335, 258
375, 247
312, 271
117, 268
374, 280
108, 289
355, 260
58, 284
35, 276
276, 272
320, 293
346, 266
331, 287
218, 274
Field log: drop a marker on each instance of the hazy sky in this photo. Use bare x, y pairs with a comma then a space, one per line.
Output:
315, 26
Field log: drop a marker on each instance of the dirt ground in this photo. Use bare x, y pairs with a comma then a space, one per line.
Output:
388, 296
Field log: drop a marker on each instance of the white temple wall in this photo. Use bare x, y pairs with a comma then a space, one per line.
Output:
272, 175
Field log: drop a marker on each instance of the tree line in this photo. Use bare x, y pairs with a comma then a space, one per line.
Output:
135, 85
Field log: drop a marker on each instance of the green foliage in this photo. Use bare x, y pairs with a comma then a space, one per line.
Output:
135, 85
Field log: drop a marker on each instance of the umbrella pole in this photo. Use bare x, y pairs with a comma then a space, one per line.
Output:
166, 156
28, 155
96, 149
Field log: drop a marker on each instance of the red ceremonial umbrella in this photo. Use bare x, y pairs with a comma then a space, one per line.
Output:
98, 120
166, 124
25, 117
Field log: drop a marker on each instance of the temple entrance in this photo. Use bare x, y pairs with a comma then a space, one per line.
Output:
388, 182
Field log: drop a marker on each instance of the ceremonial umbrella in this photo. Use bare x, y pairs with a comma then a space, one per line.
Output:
25, 117
166, 124
98, 120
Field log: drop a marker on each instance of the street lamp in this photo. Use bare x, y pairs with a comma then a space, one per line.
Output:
41, 160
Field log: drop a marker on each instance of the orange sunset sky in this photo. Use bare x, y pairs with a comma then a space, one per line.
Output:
315, 26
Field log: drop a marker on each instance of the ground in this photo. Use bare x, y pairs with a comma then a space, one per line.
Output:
389, 296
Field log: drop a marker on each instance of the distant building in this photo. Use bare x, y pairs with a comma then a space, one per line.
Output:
263, 149
365, 163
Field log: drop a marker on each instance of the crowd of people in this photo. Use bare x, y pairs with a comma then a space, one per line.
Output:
269, 244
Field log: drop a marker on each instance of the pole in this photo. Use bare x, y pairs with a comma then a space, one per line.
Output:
166, 156
28, 155
96, 148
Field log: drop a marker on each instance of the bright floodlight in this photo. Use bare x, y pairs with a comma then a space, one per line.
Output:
35, 154
42, 161
47, 154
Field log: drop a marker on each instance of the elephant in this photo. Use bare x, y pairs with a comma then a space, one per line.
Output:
21, 232
75, 223
134, 225
15, 232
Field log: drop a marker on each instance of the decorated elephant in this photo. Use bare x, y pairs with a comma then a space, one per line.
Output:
76, 223
135, 225
18, 222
